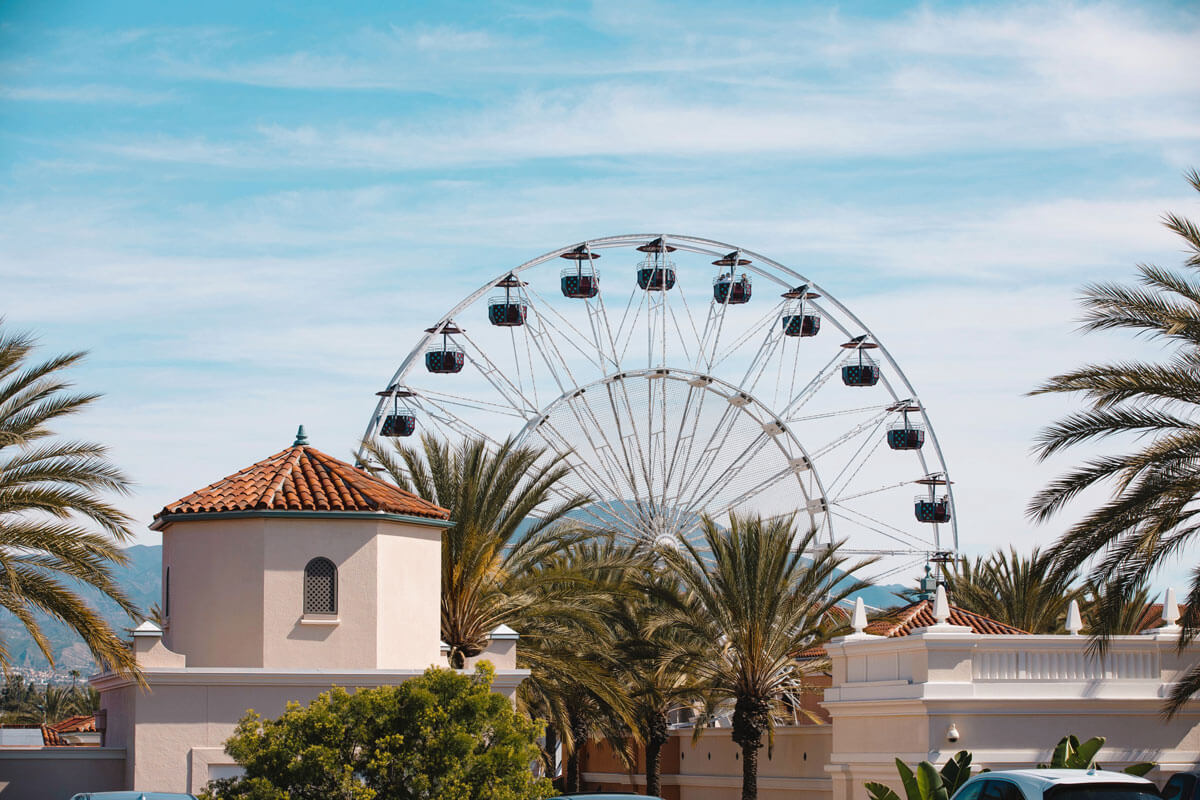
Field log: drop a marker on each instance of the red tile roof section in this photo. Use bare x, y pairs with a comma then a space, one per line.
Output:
920, 615
902, 621
79, 723
302, 478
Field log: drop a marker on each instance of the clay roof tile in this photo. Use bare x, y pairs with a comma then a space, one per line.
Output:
302, 478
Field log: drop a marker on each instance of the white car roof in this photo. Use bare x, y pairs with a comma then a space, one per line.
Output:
1038, 780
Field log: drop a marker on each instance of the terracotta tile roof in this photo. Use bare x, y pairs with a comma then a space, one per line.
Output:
79, 723
902, 621
302, 478
50, 737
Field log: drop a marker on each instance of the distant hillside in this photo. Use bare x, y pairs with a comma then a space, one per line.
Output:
141, 580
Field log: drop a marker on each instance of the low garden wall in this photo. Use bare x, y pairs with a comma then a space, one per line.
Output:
56, 773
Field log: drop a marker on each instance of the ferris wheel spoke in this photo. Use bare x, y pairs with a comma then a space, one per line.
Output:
473, 405
854, 465
841, 412
499, 381
762, 358
709, 454
765, 322
810, 389
580, 470
882, 528
869, 425
732, 471
603, 449
752, 492
545, 313
642, 462
450, 420
886, 488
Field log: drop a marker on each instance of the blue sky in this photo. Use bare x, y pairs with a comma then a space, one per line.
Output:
247, 212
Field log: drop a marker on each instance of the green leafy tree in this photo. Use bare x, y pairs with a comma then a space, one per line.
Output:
56, 530
759, 593
443, 736
927, 782
1070, 753
1150, 515
1023, 591
506, 521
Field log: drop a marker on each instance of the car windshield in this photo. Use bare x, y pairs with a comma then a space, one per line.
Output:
1102, 791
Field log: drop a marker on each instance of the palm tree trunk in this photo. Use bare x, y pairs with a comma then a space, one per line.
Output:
750, 771
657, 736
751, 716
579, 733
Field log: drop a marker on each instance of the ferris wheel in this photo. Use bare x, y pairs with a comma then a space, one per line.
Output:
681, 377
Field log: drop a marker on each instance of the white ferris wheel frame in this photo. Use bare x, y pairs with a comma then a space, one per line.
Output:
892, 378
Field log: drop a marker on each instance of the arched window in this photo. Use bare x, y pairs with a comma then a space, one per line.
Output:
320, 587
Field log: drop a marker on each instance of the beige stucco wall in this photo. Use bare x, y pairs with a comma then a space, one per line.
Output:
410, 561
237, 592
216, 591
288, 545
711, 768
56, 773
1010, 699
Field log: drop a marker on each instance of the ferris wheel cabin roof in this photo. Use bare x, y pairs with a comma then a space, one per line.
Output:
658, 245
448, 327
581, 253
733, 259
300, 478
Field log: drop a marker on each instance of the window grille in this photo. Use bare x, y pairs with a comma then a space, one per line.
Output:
320, 587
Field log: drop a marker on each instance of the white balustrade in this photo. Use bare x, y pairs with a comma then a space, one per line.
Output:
1064, 664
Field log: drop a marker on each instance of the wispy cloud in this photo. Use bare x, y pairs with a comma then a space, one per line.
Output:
86, 93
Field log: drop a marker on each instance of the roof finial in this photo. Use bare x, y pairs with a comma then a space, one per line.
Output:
1074, 620
1170, 612
941, 606
301, 438
859, 620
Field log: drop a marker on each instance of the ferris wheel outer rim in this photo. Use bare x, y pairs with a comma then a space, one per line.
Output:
700, 246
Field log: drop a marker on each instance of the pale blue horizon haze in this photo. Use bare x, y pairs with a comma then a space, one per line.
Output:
248, 212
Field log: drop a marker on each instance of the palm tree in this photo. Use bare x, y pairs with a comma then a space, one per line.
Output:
1022, 591
1150, 515
754, 601
49, 492
576, 680
496, 541
1125, 613
653, 688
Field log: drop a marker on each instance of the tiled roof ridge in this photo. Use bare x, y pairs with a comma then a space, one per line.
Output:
302, 478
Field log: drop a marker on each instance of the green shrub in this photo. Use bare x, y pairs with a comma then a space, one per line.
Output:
927, 783
443, 736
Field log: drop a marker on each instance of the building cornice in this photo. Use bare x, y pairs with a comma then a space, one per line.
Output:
162, 522
254, 676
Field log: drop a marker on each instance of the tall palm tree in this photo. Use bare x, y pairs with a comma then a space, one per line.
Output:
653, 687
576, 680
1150, 515
755, 600
1018, 590
496, 541
55, 528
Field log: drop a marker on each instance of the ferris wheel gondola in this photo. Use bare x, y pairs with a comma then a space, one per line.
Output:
670, 400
